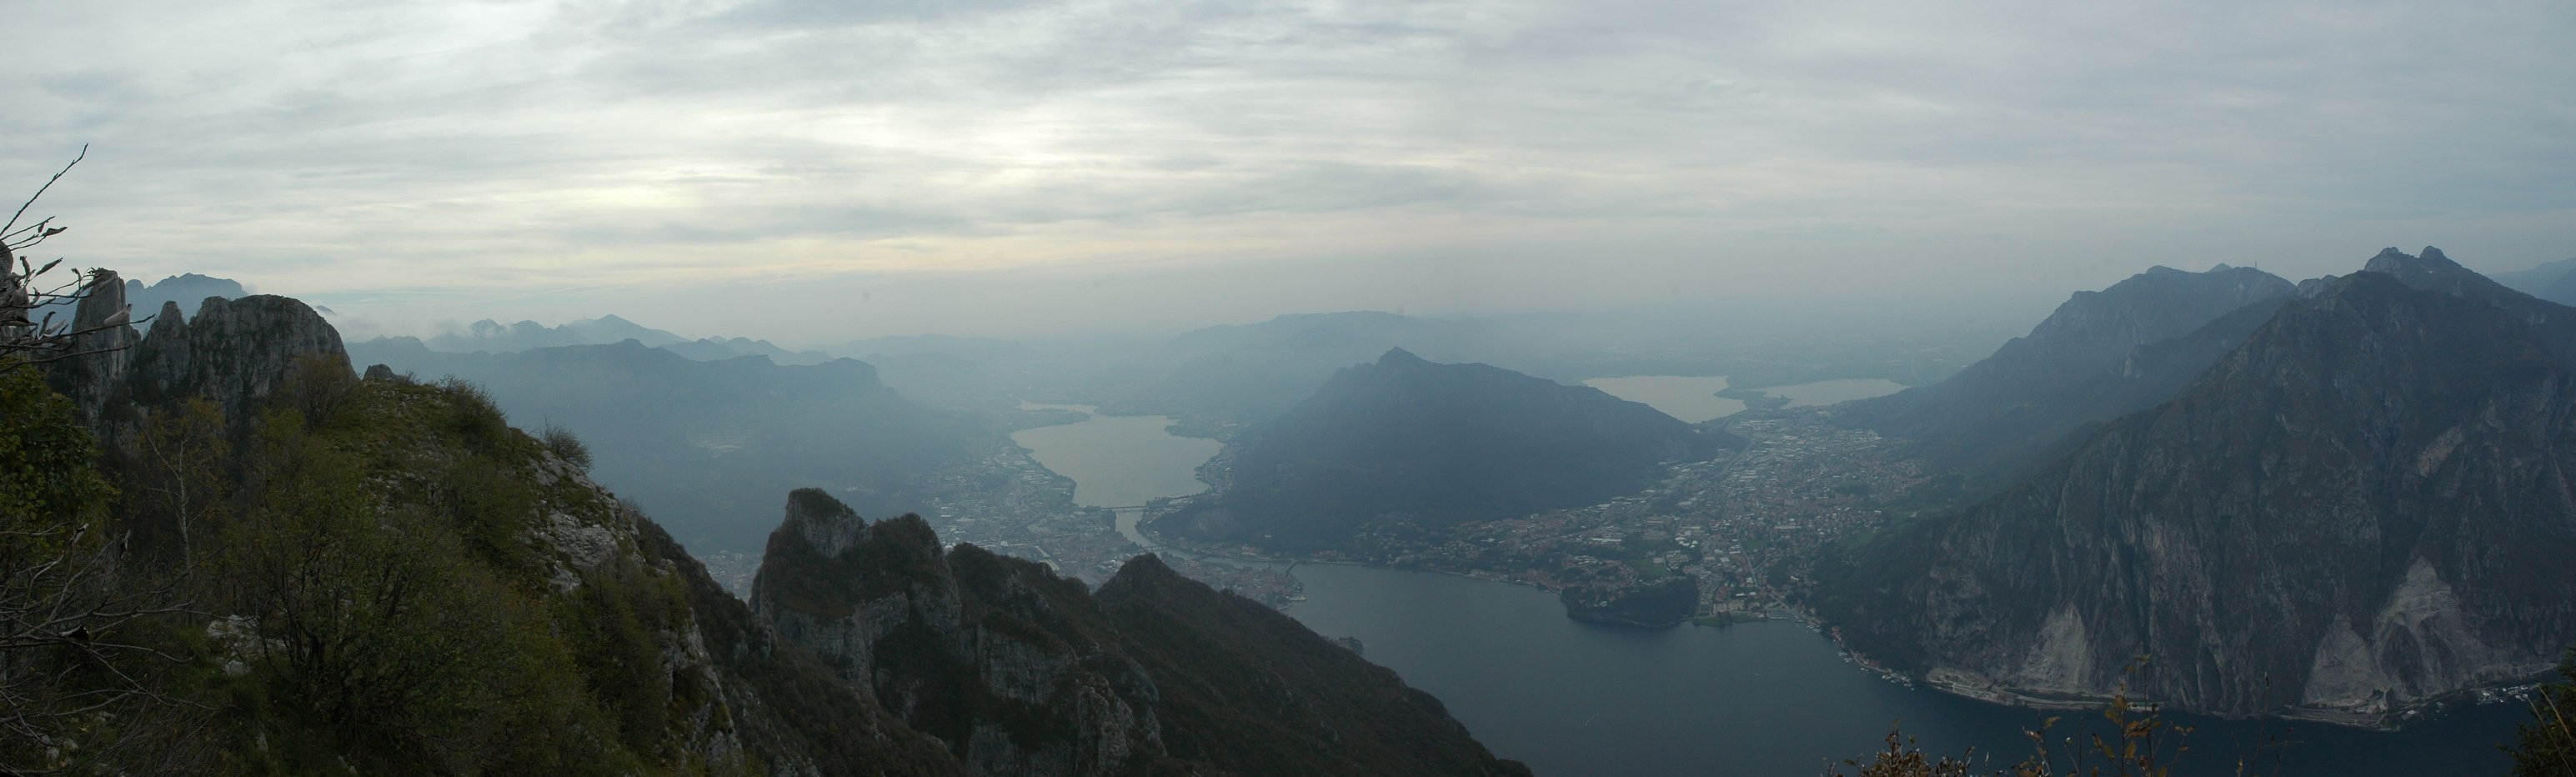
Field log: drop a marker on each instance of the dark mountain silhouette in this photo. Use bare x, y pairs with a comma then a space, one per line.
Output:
1404, 438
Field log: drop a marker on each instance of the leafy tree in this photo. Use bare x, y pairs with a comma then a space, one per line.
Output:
47, 470
66, 661
383, 633
180, 474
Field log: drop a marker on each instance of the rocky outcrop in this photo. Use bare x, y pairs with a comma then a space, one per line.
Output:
93, 378
235, 352
2365, 506
1020, 671
162, 358
998, 658
248, 347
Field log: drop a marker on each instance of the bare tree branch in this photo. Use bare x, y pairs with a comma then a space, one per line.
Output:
40, 191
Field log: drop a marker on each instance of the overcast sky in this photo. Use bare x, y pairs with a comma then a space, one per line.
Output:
815, 170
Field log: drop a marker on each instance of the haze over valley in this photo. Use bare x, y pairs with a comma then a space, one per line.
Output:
1069, 388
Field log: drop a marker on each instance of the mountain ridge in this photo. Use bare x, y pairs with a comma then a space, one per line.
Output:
1022, 671
2364, 503
2098, 356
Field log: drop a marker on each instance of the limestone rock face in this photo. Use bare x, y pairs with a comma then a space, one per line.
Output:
2366, 505
161, 360
244, 348
91, 379
1022, 672
1007, 663
235, 352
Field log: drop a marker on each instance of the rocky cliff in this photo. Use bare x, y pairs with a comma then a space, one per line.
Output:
2364, 506
234, 352
1020, 671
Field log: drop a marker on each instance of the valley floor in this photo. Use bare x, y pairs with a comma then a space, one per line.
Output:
1743, 525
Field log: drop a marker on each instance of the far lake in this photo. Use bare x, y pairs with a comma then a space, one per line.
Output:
1118, 461
1694, 399
1767, 698
1826, 392
1690, 399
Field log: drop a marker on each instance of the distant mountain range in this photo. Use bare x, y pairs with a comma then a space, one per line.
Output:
1251, 373
2363, 505
1408, 440
702, 442
981, 350
189, 290
495, 337
2552, 281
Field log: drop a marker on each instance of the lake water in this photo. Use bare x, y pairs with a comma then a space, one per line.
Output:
1690, 399
1768, 698
1826, 392
1118, 461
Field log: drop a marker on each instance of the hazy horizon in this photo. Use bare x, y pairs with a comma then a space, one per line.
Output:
807, 173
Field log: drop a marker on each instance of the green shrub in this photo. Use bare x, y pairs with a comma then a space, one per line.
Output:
48, 471
472, 414
389, 640
564, 445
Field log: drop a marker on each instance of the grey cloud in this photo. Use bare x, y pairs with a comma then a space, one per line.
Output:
523, 140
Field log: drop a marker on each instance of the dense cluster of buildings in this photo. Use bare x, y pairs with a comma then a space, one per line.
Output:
1733, 523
